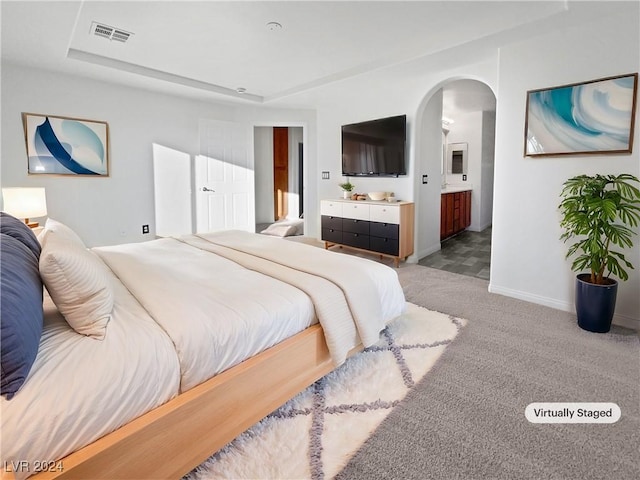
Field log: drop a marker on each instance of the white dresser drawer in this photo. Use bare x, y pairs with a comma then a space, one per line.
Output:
355, 210
385, 214
331, 208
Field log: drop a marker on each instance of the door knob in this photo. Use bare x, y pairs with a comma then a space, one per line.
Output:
205, 189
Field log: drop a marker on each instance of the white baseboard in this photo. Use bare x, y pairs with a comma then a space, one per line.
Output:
482, 228
426, 252
621, 320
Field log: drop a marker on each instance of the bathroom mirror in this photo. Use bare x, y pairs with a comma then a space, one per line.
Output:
457, 162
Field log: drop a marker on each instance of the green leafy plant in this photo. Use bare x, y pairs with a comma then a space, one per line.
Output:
347, 186
600, 211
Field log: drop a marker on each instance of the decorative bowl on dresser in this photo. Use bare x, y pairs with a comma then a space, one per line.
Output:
376, 227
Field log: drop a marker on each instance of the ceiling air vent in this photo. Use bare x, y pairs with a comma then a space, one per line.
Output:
105, 31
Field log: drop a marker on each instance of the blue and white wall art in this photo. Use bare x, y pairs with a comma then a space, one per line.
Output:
589, 117
66, 146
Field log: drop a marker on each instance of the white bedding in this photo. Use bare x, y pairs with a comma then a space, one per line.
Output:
354, 298
80, 388
216, 312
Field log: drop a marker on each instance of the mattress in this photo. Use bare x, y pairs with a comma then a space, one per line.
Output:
80, 388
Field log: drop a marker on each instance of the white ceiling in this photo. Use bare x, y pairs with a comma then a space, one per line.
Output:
209, 49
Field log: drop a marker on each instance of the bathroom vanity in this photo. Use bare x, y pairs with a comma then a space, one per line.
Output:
455, 211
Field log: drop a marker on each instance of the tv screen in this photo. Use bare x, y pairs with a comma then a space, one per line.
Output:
375, 147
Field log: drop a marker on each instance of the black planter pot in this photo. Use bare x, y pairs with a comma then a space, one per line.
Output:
595, 304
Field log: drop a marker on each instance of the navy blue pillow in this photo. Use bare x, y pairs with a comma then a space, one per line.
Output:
20, 313
10, 225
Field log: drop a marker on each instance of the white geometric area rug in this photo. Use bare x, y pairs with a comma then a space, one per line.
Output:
314, 435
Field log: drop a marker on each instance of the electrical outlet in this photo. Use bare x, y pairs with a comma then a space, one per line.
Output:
145, 229
464, 178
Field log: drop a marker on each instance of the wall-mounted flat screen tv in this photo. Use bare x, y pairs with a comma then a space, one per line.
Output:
375, 147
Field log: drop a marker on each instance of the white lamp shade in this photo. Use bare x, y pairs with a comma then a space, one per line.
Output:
25, 202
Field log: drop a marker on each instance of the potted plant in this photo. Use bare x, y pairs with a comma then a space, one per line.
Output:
346, 187
600, 211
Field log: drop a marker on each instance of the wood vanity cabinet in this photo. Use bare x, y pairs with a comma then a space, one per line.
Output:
380, 227
455, 213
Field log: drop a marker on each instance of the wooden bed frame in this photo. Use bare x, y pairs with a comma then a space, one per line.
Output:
171, 440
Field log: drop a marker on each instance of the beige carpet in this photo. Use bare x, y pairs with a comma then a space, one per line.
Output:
466, 419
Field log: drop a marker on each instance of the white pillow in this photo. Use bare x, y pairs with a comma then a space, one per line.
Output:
79, 284
285, 228
60, 228
278, 230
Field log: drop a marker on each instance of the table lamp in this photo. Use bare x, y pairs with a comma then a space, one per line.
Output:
25, 203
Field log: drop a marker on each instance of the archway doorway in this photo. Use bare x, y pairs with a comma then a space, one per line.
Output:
466, 167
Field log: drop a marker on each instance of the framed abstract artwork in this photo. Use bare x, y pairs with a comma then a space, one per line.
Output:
594, 117
66, 146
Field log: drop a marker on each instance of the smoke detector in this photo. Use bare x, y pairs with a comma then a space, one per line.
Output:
109, 32
274, 26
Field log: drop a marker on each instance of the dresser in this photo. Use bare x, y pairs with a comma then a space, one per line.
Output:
379, 227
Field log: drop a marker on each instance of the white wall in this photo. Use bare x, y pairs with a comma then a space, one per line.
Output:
263, 148
295, 136
487, 168
468, 129
112, 210
172, 188
527, 256
428, 194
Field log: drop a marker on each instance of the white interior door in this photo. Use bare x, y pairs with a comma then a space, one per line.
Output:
224, 178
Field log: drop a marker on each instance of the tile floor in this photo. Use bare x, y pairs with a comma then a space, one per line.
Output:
468, 253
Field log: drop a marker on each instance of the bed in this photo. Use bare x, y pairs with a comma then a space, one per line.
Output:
204, 336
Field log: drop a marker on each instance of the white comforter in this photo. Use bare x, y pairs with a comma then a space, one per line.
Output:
226, 296
354, 298
216, 312
80, 389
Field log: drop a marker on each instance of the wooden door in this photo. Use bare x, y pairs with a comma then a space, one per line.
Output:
280, 171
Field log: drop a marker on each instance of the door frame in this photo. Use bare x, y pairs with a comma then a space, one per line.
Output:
305, 156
